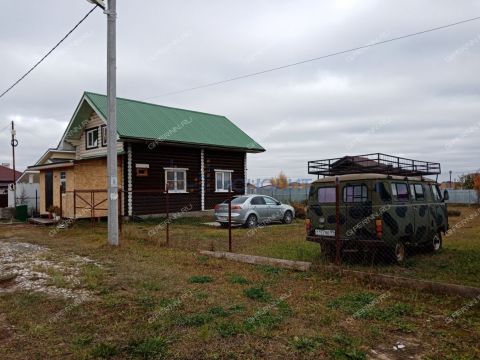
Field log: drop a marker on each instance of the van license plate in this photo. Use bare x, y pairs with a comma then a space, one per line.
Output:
324, 232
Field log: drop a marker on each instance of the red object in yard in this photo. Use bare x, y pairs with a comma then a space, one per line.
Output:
379, 228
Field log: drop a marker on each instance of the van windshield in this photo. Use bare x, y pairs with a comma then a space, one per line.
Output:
327, 195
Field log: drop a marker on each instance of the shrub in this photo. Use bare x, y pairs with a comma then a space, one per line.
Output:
257, 293
200, 279
299, 210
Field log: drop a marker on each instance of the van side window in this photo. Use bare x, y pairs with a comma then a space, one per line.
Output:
381, 188
419, 192
355, 193
437, 196
400, 191
327, 195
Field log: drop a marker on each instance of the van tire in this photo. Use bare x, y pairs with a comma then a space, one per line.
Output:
252, 221
287, 217
436, 243
399, 253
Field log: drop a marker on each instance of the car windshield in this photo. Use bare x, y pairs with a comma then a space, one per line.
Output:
239, 200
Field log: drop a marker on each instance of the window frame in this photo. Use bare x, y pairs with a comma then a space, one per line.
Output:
257, 197
395, 194
363, 199
104, 135
223, 172
87, 138
63, 181
414, 194
325, 188
175, 171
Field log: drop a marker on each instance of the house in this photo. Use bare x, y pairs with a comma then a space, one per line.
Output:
197, 156
6, 178
27, 191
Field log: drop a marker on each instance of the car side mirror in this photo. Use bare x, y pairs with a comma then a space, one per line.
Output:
446, 195
279, 203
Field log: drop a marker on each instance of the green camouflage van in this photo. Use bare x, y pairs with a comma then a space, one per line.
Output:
376, 212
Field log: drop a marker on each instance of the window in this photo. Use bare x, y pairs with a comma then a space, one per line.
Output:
381, 188
400, 191
104, 135
416, 191
269, 201
63, 181
223, 180
257, 200
437, 196
238, 200
175, 180
92, 138
141, 172
327, 195
355, 193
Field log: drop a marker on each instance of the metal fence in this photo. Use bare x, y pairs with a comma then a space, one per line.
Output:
463, 197
288, 195
296, 195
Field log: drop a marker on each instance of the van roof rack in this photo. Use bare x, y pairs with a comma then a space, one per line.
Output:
373, 163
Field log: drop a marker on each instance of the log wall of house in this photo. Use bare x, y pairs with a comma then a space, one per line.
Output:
159, 158
224, 160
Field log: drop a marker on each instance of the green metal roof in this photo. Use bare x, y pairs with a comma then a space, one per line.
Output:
140, 120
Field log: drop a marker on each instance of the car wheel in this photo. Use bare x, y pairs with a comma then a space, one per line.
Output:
252, 221
399, 253
288, 217
224, 225
436, 243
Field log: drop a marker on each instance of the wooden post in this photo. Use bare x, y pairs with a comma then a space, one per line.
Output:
337, 222
230, 219
120, 217
74, 204
168, 219
61, 203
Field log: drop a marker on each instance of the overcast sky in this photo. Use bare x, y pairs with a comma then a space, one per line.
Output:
417, 97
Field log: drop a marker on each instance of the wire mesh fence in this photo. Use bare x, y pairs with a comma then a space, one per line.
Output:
354, 235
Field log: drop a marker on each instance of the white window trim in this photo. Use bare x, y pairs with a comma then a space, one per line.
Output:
184, 170
223, 172
104, 136
87, 133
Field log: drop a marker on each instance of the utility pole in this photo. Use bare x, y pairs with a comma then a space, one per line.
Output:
450, 179
14, 144
111, 12
112, 122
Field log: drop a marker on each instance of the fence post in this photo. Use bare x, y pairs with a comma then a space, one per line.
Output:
36, 202
168, 219
230, 219
120, 217
337, 222
74, 203
61, 203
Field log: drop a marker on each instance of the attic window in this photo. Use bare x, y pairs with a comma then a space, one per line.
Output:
104, 135
92, 138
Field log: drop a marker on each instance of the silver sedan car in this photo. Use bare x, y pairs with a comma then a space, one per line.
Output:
254, 210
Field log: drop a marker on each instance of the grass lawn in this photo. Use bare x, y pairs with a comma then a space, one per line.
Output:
149, 301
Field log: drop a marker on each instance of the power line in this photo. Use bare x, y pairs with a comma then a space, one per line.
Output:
48, 53
314, 59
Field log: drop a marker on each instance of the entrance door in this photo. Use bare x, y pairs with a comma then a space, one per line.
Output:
48, 189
